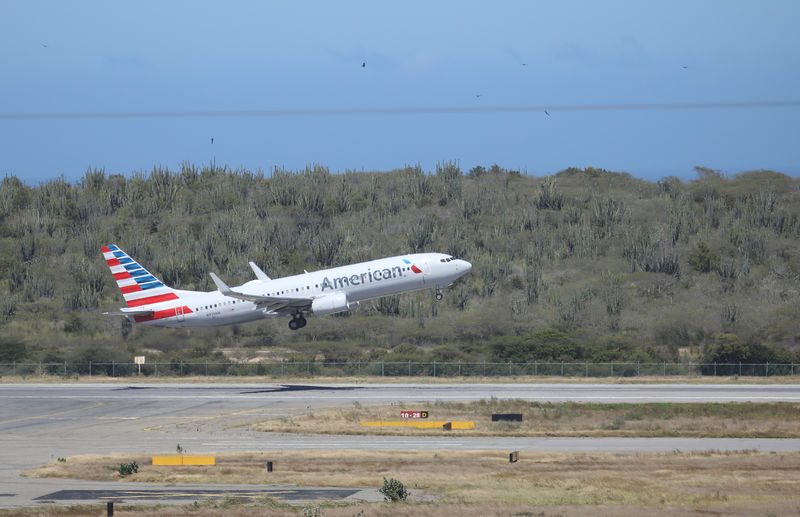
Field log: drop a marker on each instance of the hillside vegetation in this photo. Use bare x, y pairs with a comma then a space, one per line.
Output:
582, 265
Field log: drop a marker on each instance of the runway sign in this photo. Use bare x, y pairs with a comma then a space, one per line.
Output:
513, 417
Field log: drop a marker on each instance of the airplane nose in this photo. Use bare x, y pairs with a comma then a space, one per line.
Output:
466, 265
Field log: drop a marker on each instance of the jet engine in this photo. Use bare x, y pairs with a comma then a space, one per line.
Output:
330, 303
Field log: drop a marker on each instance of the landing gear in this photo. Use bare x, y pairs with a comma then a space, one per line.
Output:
439, 295
297, 322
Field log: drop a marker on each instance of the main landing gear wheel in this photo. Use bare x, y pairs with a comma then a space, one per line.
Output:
439, 295
297, 322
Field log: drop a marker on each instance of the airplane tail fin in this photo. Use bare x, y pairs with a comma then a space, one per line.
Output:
139, 287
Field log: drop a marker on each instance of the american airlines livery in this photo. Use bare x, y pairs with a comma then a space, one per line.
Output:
320, 292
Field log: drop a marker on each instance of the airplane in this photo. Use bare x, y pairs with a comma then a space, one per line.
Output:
326, 291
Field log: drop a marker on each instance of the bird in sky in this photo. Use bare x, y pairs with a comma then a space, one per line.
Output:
363, 64
684, 67
546, 113
44, 45
212, 139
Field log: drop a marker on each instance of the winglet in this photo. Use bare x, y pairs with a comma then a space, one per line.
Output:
259, 274
223, 288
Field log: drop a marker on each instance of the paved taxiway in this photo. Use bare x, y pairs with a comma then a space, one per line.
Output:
41, 422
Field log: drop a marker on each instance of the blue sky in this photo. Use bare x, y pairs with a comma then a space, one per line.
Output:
196, 56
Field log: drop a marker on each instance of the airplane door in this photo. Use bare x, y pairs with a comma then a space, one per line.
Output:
426, 271
179, 313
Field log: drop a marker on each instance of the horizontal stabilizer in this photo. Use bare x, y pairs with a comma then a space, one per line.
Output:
124, 312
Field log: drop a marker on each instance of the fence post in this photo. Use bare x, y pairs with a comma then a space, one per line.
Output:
715, 368
612, 368
665, 368
156, 369
383, 369
535, 368
409, 367
484, 367
113, 368
459, 367
562, 368
434, 368
637, 368
14, 369
740, 368
766, 370
90, 368
586, 364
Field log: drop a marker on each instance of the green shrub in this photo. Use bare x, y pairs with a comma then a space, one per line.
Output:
394, 490
126, 469
702, 259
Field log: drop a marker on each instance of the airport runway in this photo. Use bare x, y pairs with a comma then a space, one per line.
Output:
41, 422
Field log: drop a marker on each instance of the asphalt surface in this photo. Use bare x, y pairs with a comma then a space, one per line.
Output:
42, 422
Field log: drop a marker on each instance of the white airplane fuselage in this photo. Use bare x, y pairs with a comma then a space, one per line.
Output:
319, 292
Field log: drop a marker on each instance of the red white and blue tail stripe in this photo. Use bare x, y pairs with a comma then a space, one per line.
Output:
139, 287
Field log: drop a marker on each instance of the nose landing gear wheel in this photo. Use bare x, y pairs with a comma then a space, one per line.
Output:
439, 295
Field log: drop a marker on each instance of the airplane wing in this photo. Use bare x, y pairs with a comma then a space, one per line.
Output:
278, 304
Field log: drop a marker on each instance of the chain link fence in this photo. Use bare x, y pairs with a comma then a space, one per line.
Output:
395, 369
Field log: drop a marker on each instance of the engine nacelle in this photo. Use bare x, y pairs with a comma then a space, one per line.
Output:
330, 303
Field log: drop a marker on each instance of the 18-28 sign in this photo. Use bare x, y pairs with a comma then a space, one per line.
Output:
413, 414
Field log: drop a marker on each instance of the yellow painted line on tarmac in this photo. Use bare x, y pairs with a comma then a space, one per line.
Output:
48, 415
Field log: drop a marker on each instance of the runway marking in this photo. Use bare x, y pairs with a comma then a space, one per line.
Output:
49, 415
204, 419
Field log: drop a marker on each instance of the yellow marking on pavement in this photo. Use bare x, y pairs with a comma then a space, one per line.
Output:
48, 415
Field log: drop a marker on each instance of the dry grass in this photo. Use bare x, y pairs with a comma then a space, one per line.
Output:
485, 483
739, 420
